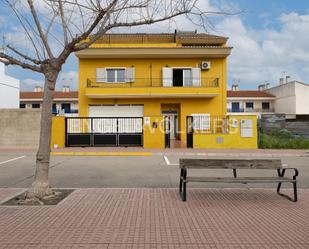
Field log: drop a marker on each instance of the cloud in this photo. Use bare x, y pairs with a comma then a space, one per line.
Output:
29, 84
69, 78
264, 54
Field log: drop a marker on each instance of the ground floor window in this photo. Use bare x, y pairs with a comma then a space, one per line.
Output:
36, 105
22, 105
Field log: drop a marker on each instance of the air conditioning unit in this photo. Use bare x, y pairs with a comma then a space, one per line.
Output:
205, 65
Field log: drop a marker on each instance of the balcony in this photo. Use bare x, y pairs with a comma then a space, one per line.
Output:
250, 110
154, 88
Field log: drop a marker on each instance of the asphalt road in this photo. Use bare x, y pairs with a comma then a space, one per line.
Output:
17, 169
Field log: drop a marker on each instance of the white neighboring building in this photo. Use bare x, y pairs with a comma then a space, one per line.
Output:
65, 102
9, 90
249, 102
292, 99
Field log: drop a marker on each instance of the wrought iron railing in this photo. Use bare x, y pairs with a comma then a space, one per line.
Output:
250, 110
153, 82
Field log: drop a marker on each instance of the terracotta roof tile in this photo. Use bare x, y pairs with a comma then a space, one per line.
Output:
249, 94
56, 95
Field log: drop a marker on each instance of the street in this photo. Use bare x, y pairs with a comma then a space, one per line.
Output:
156, 171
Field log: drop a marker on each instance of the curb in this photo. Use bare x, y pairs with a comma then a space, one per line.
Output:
101, 153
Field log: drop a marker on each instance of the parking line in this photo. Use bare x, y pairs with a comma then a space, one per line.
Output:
168, 161
11, 160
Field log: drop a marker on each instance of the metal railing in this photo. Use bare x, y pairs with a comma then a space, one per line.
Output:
153, 82
260, 110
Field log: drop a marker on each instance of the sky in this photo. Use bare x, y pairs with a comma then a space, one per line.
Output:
270, 39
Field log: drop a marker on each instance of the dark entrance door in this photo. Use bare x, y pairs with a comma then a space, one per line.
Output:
88, 132
190, 132
167, 132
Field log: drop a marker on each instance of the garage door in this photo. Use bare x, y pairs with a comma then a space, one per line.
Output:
116, 111
107, 126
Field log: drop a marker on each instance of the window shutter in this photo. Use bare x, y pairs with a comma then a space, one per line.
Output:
196, 77
101, 75
167, 75
130, 74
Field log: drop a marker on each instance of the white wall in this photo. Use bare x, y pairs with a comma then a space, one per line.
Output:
291, 98
9, 90
302, 99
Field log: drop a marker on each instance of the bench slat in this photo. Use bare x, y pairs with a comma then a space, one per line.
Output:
239, 179
230, 163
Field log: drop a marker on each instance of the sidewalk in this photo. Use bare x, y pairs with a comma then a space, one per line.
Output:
157, 218
137, 151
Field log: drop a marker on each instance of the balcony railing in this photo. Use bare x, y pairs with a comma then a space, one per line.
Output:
153, 82
259, 110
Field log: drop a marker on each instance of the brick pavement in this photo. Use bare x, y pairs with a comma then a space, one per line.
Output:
157, 218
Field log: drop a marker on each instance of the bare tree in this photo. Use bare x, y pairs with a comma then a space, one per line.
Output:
50, 30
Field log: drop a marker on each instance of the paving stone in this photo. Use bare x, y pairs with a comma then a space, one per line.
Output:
157, 218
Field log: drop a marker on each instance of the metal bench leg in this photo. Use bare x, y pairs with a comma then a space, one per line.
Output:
295, 191
280, 183
181, 181
184, 191
294, 185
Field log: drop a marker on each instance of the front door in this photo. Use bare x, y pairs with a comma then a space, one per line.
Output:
173, 123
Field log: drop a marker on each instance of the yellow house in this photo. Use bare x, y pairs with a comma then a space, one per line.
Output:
155, 91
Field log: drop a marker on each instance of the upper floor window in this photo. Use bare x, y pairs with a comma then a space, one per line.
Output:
66, 107
115, 75
235, 107
36, 105
265, 106
249, 105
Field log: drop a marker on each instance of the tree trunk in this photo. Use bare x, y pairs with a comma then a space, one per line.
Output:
40, 186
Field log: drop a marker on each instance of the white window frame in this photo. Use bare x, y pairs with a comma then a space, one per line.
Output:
201, 122
116, 79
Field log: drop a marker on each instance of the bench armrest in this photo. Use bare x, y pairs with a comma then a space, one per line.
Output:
296, 172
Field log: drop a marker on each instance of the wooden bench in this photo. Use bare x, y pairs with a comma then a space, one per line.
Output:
234, 165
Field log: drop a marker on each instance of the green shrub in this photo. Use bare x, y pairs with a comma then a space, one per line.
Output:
283, 140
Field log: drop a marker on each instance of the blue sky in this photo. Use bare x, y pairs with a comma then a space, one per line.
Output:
270, 39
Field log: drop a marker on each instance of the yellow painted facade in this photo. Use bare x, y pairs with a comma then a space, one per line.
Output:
58, 132
230, 140
147, 88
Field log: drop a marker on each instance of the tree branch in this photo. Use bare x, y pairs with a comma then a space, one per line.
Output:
9, 60
38, 25
38, 62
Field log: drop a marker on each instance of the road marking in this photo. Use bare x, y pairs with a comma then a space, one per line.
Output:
11, 160
168, 161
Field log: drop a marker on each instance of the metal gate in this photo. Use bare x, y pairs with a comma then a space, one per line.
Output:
190, 132
105, 131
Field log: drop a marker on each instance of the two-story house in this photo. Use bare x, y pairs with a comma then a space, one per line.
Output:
155, 91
